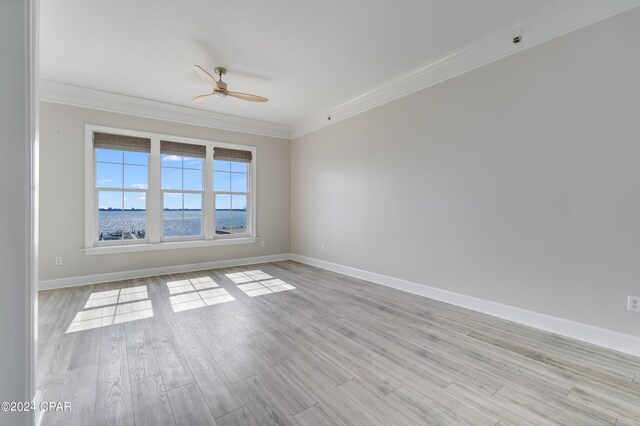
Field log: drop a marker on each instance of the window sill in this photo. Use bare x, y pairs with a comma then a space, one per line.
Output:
173, 245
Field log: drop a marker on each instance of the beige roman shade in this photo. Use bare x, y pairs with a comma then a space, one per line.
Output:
183, 149
226, 154
121, 142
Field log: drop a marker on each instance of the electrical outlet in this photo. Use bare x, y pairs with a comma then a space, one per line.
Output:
58, 260
322, 247
263, 244
634, 304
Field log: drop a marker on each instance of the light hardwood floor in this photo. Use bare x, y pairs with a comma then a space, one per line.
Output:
177, 349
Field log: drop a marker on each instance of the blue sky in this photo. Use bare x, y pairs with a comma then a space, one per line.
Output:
229, 176
112, 164
181, 173
110, 176
129, 170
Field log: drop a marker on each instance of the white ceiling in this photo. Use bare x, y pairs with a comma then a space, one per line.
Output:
306, 56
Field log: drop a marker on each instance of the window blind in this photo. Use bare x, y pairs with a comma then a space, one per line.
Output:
183, 149
226, 154
121, 142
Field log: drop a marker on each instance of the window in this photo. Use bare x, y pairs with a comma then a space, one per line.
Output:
121, 186
147, 191
182, 189
231, 188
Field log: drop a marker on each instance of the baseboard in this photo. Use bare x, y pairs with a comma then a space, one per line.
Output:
142, 273
598, 336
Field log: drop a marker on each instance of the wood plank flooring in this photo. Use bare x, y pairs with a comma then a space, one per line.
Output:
287, 344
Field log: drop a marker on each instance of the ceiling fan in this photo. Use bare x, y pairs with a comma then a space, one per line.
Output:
220, 87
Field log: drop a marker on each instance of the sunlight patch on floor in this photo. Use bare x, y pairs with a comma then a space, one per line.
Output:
192, 284
257, 283
196, 293
110, 307
113, 297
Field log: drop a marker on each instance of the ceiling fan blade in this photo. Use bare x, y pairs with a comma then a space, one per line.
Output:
201, 97
247, 97
206, 76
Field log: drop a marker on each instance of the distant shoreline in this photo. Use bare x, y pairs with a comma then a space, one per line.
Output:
170, 210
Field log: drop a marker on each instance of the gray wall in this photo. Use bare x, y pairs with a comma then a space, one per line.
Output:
62, 194
518, 182
15, 216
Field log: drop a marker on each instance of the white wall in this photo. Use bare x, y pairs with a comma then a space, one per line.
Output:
518, 182
15, 191
62, 195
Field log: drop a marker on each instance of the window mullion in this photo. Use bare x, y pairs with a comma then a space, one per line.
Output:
154, 199
208, 210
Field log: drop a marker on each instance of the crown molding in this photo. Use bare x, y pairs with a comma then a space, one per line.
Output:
554, 21
52, 91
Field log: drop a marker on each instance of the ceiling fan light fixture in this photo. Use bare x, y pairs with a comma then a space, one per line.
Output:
219, 94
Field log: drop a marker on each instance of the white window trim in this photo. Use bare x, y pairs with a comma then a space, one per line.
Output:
167, 245
154, 240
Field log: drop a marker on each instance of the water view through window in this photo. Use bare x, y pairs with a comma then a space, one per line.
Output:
182, 196
122, 181
122, 191
176, 223
230, 185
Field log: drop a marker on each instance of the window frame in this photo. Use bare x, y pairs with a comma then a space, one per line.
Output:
154, 239
183, 192
96, 202
231, 194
